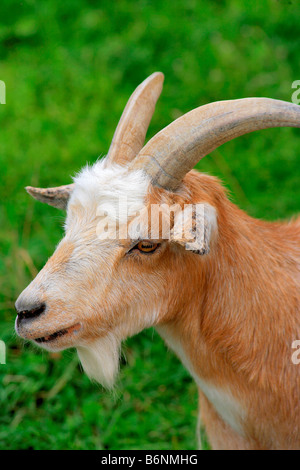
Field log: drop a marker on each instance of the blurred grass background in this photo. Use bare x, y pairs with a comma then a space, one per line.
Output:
69, 68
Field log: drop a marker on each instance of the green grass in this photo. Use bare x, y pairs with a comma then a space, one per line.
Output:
69, 68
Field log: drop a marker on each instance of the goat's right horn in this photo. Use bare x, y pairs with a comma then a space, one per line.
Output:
130, 134
176, 149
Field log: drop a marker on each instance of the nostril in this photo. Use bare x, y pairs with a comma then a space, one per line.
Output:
33, 313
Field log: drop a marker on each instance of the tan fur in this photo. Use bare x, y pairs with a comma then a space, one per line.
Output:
237, 317
227, 303
231, 315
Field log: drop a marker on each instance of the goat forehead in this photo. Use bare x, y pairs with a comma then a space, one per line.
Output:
112, 190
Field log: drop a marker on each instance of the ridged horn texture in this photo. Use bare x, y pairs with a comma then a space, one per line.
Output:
131, 131
56, 197
176, 149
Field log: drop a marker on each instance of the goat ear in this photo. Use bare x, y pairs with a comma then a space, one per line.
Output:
56, 197
194, 226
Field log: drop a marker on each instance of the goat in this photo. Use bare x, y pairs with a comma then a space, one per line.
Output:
228, 307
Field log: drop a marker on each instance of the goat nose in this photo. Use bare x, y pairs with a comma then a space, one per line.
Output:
30, 312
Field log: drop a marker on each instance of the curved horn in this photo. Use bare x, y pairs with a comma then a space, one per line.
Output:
56, 197
175, 150
131, 131
127, 141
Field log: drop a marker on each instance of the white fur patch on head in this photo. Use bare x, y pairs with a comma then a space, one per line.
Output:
110, 189
100, 359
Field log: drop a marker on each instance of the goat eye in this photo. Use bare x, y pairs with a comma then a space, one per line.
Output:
147, 246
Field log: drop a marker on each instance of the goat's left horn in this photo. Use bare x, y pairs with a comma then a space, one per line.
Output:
130, 134
56, 197
175, 150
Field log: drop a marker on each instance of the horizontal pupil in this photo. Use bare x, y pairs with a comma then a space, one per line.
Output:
147, 246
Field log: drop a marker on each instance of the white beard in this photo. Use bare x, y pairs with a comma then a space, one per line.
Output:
100, 360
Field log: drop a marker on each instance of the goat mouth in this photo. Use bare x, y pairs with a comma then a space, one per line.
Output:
58, 334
